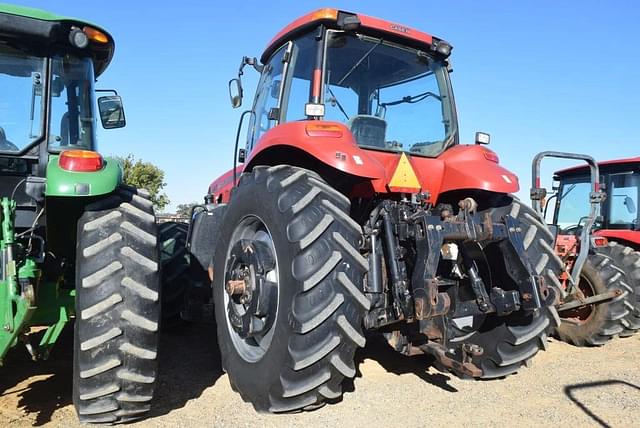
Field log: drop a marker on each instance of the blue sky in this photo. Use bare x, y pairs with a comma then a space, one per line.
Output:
537, 75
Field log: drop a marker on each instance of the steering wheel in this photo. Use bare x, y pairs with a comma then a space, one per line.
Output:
574, 229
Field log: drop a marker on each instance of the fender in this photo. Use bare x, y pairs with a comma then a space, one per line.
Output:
626, 237
476, 167
329, 142
82, 184
461, 167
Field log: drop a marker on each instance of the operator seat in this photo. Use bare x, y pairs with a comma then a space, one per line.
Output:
64, 129
368, 130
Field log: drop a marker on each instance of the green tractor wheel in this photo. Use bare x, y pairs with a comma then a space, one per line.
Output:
174, 259
118, 309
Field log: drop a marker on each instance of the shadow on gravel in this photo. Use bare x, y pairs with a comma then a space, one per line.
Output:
570, 389
378, 350
42, 396
189, 363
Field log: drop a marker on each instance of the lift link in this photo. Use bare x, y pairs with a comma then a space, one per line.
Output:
18, 283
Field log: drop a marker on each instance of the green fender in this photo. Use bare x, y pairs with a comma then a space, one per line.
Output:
82, 184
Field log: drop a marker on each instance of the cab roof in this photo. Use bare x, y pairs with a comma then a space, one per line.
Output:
624, 163
40, 28
339, 19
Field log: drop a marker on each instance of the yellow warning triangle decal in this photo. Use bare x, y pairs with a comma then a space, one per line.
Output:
404, 177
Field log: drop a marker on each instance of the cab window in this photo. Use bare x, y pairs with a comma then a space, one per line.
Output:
267, 101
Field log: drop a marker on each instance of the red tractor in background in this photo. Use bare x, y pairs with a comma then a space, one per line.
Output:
356, 210
614, 261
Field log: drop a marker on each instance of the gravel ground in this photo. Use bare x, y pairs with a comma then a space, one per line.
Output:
565, 385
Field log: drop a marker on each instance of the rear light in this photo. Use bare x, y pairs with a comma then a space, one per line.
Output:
323, 130
599, 241
80, 161
95, 35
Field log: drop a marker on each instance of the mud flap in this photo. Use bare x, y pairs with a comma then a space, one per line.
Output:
203, 233
202, 238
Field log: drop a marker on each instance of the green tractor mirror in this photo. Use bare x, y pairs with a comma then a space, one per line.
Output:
111, 112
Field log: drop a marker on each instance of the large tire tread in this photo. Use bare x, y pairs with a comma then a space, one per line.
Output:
606, 320
117, 307
628, 260
327, 270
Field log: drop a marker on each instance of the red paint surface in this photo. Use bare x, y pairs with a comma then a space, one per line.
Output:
459, 167
613, 162
368, 22
317, 82
632, 236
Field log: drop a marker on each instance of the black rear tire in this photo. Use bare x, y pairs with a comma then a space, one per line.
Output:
117, 309
627, 259
317, 326
595, 325
511, 341
174, 260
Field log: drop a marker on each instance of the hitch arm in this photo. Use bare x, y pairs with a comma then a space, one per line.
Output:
595, 198
598, 298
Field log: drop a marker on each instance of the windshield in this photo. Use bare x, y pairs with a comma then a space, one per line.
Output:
574, 203
391, 97
22, 81
21, 107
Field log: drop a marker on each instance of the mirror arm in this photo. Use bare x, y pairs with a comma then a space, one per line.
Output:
112, 91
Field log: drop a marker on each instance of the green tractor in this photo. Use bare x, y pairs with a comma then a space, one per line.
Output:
75, 242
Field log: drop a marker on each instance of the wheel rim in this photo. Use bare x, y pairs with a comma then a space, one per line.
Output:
581, 314
251, 288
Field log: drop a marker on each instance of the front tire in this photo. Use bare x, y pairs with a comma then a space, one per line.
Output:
117, 309
290, 225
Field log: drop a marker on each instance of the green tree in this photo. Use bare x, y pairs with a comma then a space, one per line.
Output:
184, 210
145, 175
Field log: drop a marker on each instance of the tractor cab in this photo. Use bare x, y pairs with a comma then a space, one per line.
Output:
48, 66
48, 114
619, 214
69, 104
387, 84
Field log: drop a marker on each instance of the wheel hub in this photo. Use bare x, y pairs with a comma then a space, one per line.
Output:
252, 292
581, 314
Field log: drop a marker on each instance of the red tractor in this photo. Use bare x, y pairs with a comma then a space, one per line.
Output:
615, 260
354, 209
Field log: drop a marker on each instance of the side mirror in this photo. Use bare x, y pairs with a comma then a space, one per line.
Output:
235, 92
111, 112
